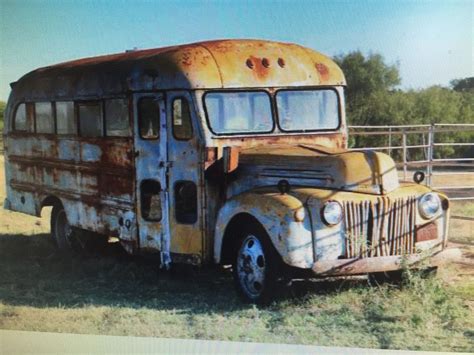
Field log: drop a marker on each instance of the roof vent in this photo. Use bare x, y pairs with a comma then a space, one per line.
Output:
134, 49
249, 63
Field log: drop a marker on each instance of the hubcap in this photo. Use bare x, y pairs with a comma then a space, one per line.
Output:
251, 266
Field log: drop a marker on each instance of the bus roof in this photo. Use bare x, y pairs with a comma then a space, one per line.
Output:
203, 65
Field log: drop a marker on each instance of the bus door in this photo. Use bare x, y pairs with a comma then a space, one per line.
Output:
186, 220
151, 165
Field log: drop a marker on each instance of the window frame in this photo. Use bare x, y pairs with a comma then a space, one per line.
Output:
13, 124
306, 88
179, 221
129, 116
53, 116
190, 107
139, 118
75, 119
272, 110
147, 181
90, 102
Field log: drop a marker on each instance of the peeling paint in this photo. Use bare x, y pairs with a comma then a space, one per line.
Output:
98, 180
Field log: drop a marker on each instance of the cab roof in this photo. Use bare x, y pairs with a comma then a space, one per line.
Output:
203, 65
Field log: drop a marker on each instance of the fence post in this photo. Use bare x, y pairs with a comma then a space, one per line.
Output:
404, 143
430, 155
390, 141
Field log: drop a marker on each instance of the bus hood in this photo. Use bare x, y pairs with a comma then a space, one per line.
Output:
312, 165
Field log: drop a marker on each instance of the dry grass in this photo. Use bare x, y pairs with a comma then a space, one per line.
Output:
112, 293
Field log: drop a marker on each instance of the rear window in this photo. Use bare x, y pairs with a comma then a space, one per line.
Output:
90, 119
19, 123
149, 118
182, 126
44, 117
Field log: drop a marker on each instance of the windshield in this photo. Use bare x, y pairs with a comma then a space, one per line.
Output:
239, 112
307, 110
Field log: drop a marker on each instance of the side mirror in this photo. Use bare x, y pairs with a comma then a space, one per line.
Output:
230, 158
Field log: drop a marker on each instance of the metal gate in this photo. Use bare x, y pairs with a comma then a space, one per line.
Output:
398, 142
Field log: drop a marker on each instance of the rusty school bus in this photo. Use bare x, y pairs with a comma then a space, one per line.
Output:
231, 152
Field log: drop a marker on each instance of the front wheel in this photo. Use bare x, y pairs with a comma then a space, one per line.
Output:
255, 268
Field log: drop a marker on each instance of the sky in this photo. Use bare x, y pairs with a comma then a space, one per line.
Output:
432, 42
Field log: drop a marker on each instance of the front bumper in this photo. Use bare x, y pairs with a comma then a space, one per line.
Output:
357, 266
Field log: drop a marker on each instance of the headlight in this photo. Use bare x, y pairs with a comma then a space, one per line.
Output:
331, 213
429, 205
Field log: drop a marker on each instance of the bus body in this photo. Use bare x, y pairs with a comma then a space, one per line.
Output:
228, 152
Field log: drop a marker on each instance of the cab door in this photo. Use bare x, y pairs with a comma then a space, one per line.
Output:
151, 163
185, 189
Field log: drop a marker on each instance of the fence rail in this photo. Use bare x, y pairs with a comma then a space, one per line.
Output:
428, 134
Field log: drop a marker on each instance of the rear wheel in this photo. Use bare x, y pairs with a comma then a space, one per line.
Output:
256, 268
65, 236
61, 231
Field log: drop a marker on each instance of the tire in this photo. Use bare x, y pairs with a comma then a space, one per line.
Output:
256, 267
64, 236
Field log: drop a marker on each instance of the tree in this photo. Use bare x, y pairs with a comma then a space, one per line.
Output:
373, 99
463, 85
369, 79
2, 111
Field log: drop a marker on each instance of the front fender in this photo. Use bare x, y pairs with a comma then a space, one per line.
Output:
275, 212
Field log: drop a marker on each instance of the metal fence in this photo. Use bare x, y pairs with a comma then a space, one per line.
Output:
396, 142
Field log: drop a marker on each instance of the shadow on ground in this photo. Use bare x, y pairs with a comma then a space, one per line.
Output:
35, 274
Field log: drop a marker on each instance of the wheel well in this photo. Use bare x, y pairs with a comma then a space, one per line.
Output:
52, 201
236, 225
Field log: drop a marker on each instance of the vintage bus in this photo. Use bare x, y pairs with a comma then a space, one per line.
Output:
231, 152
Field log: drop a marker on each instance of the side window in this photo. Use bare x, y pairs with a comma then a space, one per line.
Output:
65, 119
117, 123
182, 126
90, 119
149, 118
185, 194
151, 200
19, 122
44, 117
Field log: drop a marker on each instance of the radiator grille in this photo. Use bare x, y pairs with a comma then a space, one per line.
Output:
380, 228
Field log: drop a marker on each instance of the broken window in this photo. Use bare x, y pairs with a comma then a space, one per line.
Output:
150, 191
65, 121
44, 117
185, 195
90, 119
116, 118
182, 127
149, 118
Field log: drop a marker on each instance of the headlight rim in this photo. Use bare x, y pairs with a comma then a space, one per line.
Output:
323, 208
422, 211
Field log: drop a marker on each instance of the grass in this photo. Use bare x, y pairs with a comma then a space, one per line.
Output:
462, 223
113, 293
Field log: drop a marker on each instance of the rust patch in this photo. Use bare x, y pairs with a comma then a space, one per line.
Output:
259, 69
323, 71
427, 232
